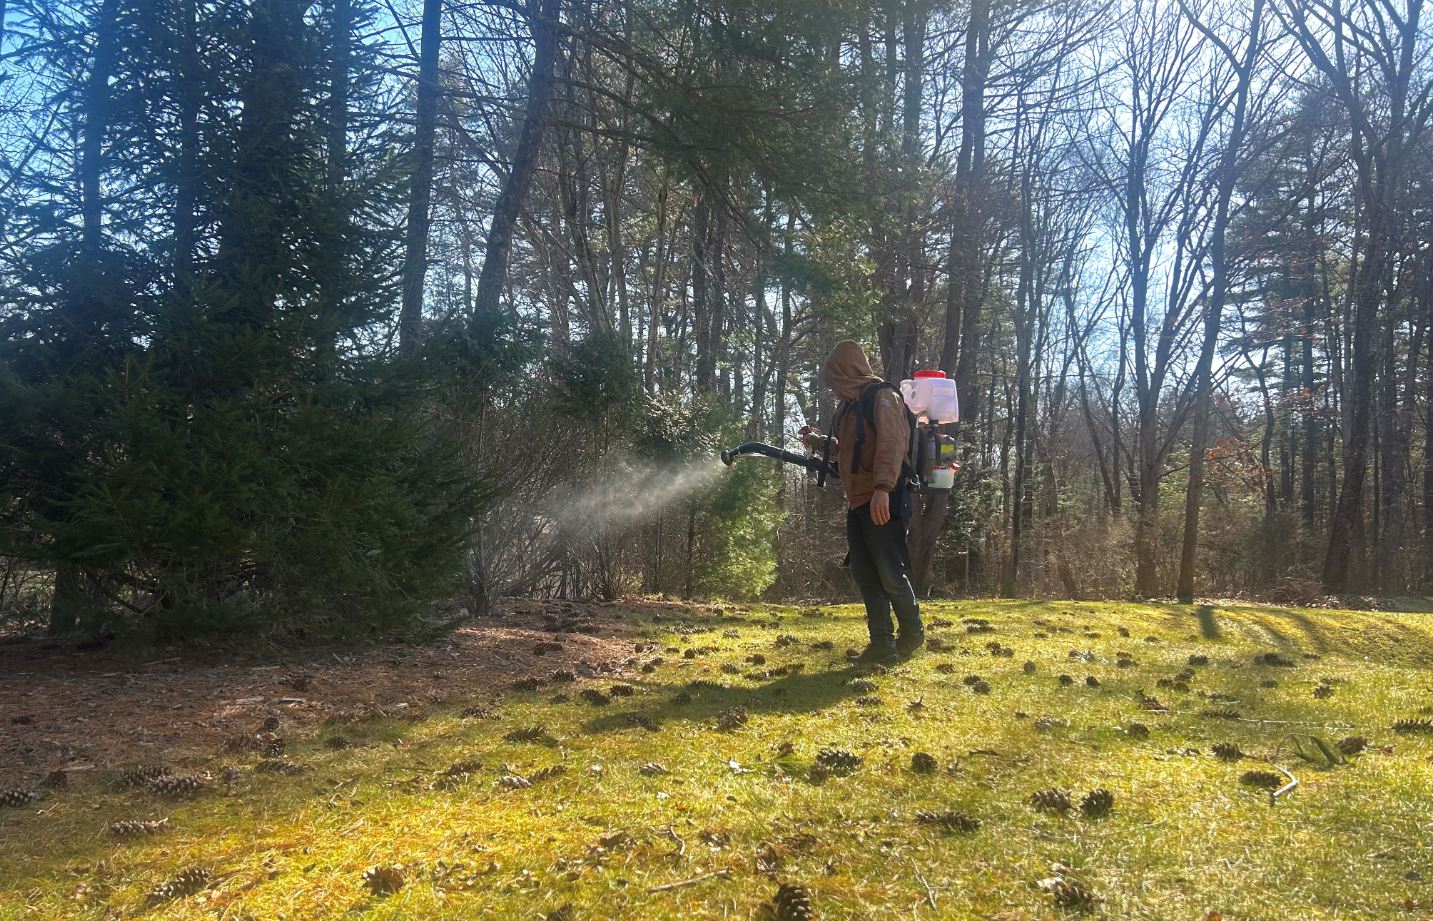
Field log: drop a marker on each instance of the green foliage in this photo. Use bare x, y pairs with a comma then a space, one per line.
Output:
737, 520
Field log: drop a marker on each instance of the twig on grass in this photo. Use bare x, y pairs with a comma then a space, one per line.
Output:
683, 883
929, 892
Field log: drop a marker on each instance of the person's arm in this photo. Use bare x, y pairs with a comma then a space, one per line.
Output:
813, 439
892, 439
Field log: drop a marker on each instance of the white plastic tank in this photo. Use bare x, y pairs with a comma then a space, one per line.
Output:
933, 396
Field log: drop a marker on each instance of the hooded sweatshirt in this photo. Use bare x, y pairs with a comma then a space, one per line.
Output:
848, 374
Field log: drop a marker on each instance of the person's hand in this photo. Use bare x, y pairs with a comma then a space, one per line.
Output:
880, 507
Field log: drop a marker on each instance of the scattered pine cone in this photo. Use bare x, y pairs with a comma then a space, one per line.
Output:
1265, 780
384, 880
564, 676
1138, 731
1269, 683
791, 902
527, 734
595, 697
176, 787
133, 828
14, 799
651, 769
1413, 726
1051, 800
1352, 745
819, 772
299, 681
1221, 713
547, 773
140, 776
838, 761
1091, 681
466, 766
527, 683
1323, 691
732, 718
682, 698
980, 687
514, 782
863, 686
273, 747
1198, 660
621, 690
1069, 894
280, 766
1227, 751
949, 820
1028, 668
1274, 659
1066, 681
1097, 803
1150, 703
189, 882
923, 763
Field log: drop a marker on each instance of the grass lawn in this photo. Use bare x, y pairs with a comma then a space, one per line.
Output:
693, 790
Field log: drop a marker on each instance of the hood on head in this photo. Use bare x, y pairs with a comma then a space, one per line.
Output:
847, 372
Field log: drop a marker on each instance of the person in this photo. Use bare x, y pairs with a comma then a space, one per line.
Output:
870, 444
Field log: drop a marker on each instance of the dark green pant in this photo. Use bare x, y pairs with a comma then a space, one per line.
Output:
880, 564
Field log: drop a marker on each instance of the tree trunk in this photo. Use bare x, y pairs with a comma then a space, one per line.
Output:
1219, 265
415, 248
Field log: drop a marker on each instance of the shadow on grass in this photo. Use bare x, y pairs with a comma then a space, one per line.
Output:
804, 692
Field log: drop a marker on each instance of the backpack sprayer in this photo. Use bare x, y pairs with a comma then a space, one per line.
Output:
930, 402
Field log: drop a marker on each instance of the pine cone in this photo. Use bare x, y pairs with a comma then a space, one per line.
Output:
1091, 681
141, 776
732, 718
514, 782
527, 734
923, 763
16, 798
651, 769
384, 880
1413, 726
1266, 780
595, 697
1198, 660
863, 686
1323, 691
1227, 751
1051, 800
948, 820
1097, 803
176, 787
273, 747
1221, 713
1066, 681
191, 881
1274, 659
528, 683
839, 761
133, 828
547, 773
465, 766
621, 690
1069, 894
564, 676
1151, 703
1028, 668
1352, 745
791, 903
819, 772
280, 766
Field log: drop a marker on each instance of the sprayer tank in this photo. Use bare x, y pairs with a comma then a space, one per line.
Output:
931, 395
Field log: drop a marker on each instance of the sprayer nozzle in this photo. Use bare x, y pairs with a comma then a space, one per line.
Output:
726, 458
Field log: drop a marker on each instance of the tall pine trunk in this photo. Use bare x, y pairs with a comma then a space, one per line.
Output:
415, 250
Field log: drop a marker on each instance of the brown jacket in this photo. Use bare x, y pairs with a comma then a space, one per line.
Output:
848, 374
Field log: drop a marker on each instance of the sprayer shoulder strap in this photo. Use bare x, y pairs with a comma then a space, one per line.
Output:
866, 411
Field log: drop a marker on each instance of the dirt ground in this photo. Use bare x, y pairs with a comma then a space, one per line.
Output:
84, 712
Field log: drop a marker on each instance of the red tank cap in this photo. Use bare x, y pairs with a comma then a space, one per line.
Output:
920, 374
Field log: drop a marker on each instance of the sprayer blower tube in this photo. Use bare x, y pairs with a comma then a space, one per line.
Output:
812, 464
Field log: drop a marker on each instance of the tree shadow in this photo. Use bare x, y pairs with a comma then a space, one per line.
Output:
803, 692
1208, 626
